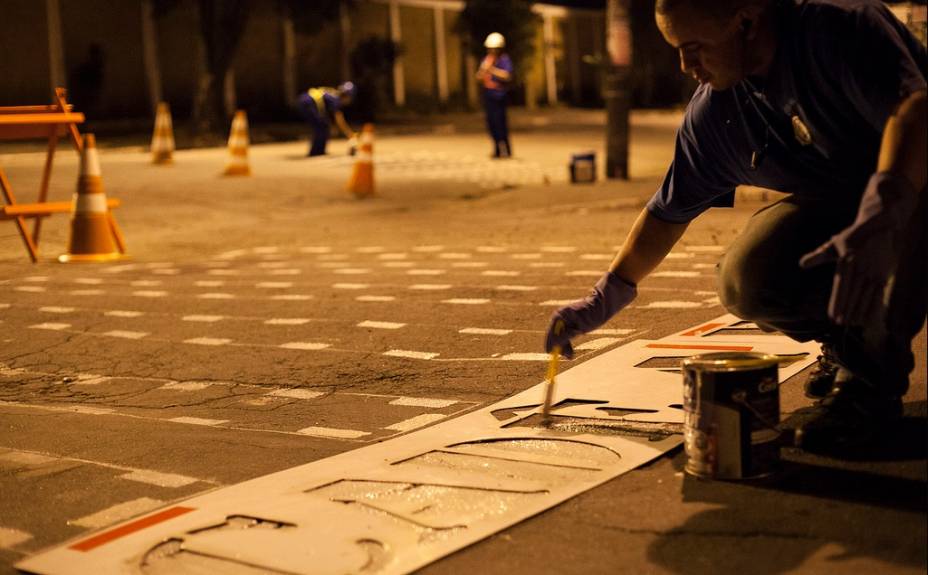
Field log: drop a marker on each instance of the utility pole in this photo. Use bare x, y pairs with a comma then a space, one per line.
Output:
617, 92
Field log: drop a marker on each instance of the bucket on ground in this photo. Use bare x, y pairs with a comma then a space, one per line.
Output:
583, 168
731, 404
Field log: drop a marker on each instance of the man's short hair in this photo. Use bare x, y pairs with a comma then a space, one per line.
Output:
716, 9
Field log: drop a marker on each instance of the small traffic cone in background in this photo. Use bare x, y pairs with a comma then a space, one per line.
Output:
361, 183
93, 236
162, 141
237, 164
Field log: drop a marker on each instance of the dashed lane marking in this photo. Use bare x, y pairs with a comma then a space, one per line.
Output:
56, 309
425, 272
158, 478
427, 287
466, 301
612, 331
381, 324
679, 256
296, 393
526, 357
198, 421
500, 273
51, 326
531, 256
352, 271
370, 249
202, 318
416, 422
123, 313
304, 345
287, 321
705, 249
490, 249
410, 354
35, 279
146, 283
117, 513
82, 292
516, 288
125, 334
332, 432
150, 293
88, 281
375, 298
30, 289
209, 283
597, 257
455, 255
582, 273
423, 402
676, 274
558, 249
208, 340
557, 302
216, 295
186, 385
469, 264
546, 265
292, 297
484, 331
350, 286
429, 249
274, 285
671, 305
10, 537
597, 344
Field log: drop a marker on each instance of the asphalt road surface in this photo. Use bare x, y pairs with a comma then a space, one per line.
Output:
267, 321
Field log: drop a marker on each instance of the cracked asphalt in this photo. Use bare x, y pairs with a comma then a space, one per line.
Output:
265, 322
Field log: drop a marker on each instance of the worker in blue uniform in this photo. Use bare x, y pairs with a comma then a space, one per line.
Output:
319, 107
824, 100
495, 76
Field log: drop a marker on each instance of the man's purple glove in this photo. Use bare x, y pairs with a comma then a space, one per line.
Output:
867, 251
610, 294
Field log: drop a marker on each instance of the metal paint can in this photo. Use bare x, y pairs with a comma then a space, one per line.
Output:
731, 404
583, 168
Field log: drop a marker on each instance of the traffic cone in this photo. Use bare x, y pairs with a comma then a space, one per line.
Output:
237, 165
162, 141
361, 183
92, 235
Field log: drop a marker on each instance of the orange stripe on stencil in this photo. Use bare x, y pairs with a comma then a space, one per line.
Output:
700, 347
702, 329
129, 528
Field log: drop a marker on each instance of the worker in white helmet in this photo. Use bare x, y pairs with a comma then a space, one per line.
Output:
495, 74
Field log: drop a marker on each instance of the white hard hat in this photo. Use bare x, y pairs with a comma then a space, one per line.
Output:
494, 40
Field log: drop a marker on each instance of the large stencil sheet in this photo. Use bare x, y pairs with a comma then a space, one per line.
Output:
396, 506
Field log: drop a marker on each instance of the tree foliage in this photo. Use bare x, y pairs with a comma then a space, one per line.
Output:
513, 19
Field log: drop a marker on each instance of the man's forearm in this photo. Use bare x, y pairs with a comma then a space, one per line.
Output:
905, 141
647, 244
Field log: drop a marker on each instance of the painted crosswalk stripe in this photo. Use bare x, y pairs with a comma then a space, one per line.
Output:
410, 354
675, 274
526, 357
416, 422
56, 309
123, 313
427, 287
375, 298
186, 385
125, 334
274, 285
350, 286
292, 297
216, 295
150, 293
466, 301
202, 318
296, 393
51, 326
423, 402
599, 343
10, 537
158, 478
117, 513
198, 421
209, 283
287, 321
484, 331
381, 324
305, 345
500, 273
31, 289
516, 288
208, 340
671, 305
333, 432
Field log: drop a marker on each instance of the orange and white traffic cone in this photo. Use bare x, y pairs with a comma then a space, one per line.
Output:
361, 183
162, 141
237, 165
94, 237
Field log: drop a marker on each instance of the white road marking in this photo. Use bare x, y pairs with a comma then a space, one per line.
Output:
231, 254
350, 286
117, 513
292, 297
423, 402
209, 283
286, 272
399, 264
679, 256
27, 458
305, 345
146, 283
599, 343
333, 433
31, 289
430, 286
88, 281
466, 301
88, 410
223, 272
86, 292
186, 385
558, 249
589, 273
90, 379
416, 422
352, 271
381, 324
491, 249
150, 293
51, 326
5, 305
675, 274
469, 264
10, 537
484, 331
166, 272
516, 288
296, 393
315, 249
202, 318
216, 295
428, 248
525, 256
287, 321
375, 298
272, 265
500, 273
705, 249
703, 266
393, 256
35, 279
123, 313
612, 331
410, 354
424, 272
208, 340
56, 309
546, 265
158, 478
671, 305
557, 302
274, 285
198, 421
526, 357
599, 257
127, 334
454, 256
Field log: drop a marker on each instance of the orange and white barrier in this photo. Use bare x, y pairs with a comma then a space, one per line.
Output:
361, 183
237, 165
162, 140
94, 235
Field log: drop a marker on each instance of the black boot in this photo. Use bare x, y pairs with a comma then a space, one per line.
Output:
822, 377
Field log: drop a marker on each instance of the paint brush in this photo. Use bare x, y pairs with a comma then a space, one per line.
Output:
549, 379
